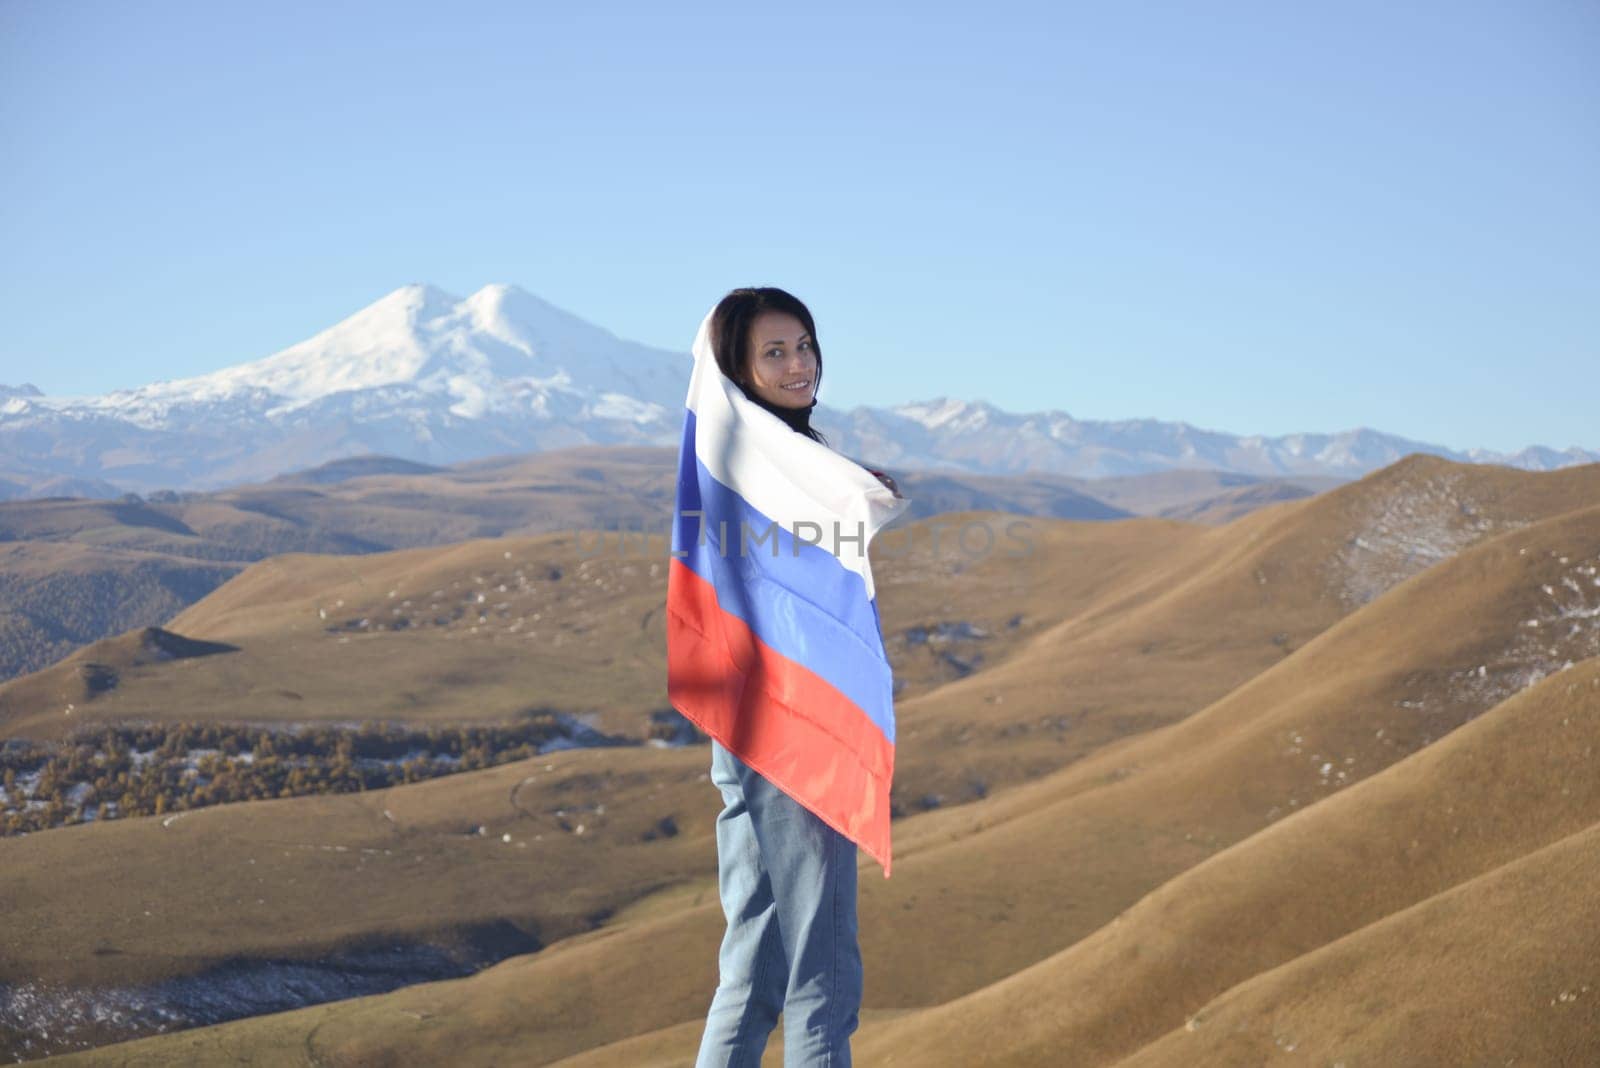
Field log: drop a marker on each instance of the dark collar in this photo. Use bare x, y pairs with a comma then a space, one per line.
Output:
799, 419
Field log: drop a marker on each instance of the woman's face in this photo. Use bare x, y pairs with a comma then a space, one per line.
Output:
782, 367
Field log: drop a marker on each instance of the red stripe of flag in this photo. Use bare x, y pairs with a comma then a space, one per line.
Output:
785, 721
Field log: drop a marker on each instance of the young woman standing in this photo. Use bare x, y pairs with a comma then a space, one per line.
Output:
786, 878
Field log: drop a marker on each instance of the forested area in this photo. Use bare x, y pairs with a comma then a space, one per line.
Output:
113, 771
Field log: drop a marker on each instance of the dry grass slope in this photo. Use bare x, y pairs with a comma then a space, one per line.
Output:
1215, 783
1507, 785
75, 570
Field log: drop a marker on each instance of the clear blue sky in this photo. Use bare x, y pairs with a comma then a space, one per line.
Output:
1256, 217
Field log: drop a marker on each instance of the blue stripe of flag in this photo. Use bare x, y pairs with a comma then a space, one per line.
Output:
804, 604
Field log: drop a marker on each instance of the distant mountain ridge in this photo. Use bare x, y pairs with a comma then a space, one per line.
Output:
76, 570
426, 376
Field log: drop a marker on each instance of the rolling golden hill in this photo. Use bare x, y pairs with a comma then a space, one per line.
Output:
76, 570
1223, 812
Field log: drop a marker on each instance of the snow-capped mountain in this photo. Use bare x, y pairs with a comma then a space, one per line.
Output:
420, 373
976, 436
499, 353
427, 376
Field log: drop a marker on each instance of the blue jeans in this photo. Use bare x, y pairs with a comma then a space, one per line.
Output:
788, 887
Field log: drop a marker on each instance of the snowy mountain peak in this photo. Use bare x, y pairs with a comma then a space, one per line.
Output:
949, 413
500, 350
18, 400
494, 298
931, 413
415, 295
410, 304
425, 375
518, 318
511, 312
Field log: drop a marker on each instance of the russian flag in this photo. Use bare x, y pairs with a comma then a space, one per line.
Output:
774, 646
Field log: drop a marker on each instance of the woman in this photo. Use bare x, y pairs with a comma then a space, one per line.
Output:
787, 879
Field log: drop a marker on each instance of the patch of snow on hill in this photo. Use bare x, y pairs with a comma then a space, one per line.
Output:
1411, 525
1562, 630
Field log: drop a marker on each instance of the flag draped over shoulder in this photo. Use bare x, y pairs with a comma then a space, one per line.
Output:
774, 645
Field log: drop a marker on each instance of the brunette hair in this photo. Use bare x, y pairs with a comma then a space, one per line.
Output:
730, 333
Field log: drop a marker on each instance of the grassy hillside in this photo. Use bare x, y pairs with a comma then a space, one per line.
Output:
1223, 807
76, 570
